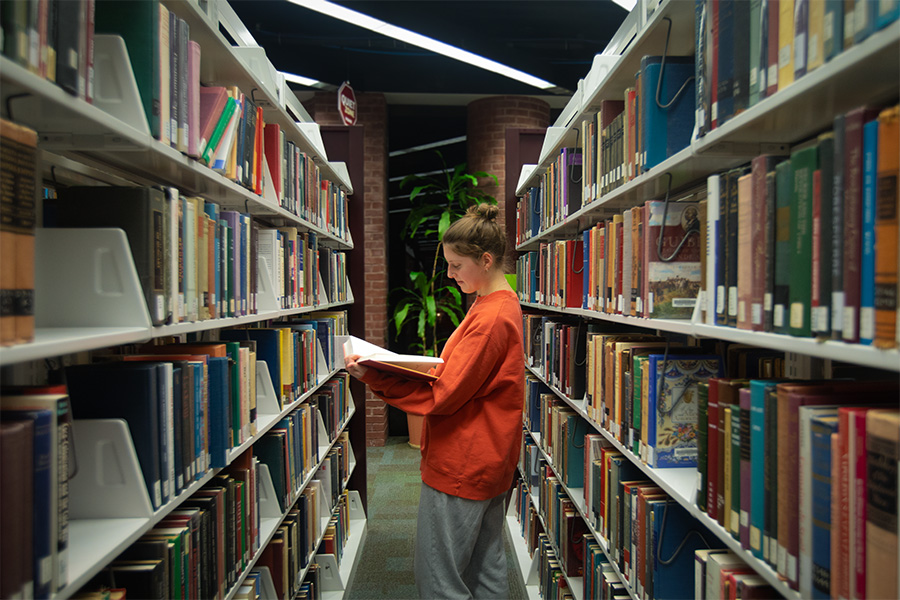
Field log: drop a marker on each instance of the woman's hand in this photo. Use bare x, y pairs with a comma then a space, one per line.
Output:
353, 367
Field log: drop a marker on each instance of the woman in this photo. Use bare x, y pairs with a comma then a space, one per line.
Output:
473, 421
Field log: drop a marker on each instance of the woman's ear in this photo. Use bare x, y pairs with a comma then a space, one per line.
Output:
487, 261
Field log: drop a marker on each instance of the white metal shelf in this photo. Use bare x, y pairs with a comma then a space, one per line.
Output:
858, 354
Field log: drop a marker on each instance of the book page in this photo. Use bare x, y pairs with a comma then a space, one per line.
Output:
379, 358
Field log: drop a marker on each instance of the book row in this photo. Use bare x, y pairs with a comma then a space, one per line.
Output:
642, 545
803, 244
219, 126
190, 405
200, 549
748, 51
750, 439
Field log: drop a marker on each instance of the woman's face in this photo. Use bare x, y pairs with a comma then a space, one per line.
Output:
470, 275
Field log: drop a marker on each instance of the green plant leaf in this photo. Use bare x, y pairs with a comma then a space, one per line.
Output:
443, 224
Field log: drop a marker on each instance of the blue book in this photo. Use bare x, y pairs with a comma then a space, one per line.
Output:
725, 89
801, 33
200, 459
178, 427
834, 24
219, 410
96, 392
821, 428
575, 428
758, 388
887, 11
44, 490
867, 264
674, 545
672, 406
666, 131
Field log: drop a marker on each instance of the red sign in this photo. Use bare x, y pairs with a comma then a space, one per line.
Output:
347, 104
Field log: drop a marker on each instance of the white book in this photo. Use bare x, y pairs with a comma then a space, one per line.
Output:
715, 297
408, 365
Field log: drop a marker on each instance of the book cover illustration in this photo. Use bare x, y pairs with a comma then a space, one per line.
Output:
674, 402
672, 266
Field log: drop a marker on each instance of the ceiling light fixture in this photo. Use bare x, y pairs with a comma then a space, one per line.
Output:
626, 4
416, 39
301, 80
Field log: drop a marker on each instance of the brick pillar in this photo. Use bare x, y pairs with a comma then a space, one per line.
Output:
487, 122
372, 116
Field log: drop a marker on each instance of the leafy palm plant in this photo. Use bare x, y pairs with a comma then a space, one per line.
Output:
437, 201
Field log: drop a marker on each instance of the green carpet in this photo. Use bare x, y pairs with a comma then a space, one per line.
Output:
385, 569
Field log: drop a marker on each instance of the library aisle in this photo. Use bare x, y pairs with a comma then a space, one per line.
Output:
385, 570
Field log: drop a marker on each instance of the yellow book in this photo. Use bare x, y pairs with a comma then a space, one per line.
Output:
785, 43
725, 455
815, 51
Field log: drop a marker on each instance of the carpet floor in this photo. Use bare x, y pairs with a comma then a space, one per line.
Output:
385, 569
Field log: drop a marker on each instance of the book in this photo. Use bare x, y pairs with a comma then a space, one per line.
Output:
804, 161
406, 365
867, 257
782, 277
17, 578
786, 49
745, 250
138, 24
672, 405
822, 428
886, 228
666, 127
853, 190
882, 442
18, 176
141, 213
193, 100
671, 257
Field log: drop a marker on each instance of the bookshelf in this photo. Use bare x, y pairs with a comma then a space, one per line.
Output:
88, 295
865, 73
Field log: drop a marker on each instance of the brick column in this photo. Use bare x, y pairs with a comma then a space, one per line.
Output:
488, 120
372, 116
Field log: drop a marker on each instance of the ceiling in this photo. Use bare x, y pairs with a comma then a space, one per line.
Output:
551, 39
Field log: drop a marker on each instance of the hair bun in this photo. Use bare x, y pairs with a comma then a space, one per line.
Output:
485, 211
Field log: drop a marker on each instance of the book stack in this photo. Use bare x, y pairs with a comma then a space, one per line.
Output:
720, 573
806, 244
560, 193
748, 51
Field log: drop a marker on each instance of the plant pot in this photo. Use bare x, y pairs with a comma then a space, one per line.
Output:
414, 423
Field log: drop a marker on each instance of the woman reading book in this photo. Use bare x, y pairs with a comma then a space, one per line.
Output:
473, 421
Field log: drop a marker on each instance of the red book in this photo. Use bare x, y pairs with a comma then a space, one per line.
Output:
258, 156
760, 166
853, 184
273, 150
212, 102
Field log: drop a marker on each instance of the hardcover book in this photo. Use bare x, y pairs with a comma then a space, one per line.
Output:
673, 405
671, 258
380, 359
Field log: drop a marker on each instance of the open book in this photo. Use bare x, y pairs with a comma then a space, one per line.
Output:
410, 366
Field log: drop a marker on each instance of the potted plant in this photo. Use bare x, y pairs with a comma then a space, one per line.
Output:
430, 301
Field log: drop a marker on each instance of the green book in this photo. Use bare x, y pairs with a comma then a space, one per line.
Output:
212, 146
804, 161
755, 38
783, 188
137, 21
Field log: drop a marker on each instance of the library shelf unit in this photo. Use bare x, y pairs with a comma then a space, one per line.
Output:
88, 295
867, 72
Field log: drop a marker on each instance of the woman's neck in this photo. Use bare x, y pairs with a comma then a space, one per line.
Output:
496, 283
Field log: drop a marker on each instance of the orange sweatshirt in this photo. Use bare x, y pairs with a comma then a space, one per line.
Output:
473, 412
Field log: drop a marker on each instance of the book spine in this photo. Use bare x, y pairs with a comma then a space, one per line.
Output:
803, 165
867, 262
886, 228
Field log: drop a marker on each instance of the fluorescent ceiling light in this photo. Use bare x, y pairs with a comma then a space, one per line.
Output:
416, 39
300, 79
626, 4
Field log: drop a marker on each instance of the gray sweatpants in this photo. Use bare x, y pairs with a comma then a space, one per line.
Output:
459, 547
